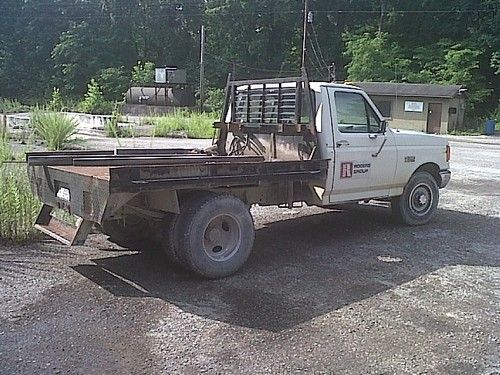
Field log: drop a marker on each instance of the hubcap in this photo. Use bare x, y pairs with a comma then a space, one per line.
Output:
421, 199
222, 237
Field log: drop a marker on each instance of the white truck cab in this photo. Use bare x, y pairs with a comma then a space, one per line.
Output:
368, 159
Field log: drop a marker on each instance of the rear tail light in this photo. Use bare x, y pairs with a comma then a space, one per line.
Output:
448, 152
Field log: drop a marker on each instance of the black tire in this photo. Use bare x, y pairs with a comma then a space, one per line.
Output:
418, 203
213, 236
168, 243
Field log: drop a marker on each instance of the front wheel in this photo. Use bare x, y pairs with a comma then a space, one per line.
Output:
418, 203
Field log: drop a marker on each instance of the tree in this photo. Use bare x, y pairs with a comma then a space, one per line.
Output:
374, 58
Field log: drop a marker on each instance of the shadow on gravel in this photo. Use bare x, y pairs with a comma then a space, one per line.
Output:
306, 267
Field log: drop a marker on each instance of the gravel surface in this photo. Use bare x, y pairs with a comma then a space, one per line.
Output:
323, 292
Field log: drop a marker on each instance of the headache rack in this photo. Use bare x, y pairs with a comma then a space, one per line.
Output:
282, 106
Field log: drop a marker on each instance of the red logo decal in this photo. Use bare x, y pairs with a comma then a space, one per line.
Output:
346, 170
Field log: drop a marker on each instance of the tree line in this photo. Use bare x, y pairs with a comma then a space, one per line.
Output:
64, 44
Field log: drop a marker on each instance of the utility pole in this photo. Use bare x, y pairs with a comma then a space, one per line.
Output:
202, 66
304, 38
381, 20
332, 72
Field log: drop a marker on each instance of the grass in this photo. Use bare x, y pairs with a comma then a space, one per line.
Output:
56, 129
6, 153
465, 132
11, 106
19, 206
113, 128
184, 123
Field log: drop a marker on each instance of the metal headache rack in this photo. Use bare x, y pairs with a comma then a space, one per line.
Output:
277, 105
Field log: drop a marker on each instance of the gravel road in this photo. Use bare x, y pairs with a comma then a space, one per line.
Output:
323, 292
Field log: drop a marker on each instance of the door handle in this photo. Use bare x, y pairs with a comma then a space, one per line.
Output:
372, 136
380, 149
342, 142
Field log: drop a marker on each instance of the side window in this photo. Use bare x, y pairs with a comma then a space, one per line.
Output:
351, 112
354, 114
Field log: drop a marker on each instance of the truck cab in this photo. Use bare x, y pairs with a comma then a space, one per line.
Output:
368, 159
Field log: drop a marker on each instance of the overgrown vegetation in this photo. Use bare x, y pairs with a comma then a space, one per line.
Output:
115, 130
19, 206
143, 73
114, 82
56, 102
6, 153
215, 100
11, 106
182, 123
56, 129
94, 101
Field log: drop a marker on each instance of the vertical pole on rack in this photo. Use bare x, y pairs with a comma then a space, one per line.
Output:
304, 37
202, 66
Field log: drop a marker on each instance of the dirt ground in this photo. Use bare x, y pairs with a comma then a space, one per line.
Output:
323, 292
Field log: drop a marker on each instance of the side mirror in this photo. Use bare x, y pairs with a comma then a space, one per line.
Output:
383, 126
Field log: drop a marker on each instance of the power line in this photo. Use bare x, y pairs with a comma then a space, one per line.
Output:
318, 60
318, 45
258, 13
248, 67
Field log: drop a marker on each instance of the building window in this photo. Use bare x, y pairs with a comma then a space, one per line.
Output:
411, 106
452, 111
385, 107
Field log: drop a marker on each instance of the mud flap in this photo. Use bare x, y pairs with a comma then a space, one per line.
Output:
61, 231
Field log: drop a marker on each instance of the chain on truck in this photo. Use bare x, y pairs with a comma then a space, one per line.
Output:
279, 142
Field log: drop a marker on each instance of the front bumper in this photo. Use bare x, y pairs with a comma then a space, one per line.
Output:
445, 178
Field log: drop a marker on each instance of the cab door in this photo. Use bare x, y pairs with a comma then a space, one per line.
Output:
365, 153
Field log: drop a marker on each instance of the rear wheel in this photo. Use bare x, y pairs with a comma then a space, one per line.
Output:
213, 236
418, 203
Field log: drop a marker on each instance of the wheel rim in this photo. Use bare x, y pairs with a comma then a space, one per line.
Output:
421, 199
222, 237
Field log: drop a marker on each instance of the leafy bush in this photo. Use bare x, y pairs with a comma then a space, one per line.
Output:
143, 73
19, 206
56, 129
56, 103
214, 100
94, 102
114, 83
11, 106
193, 125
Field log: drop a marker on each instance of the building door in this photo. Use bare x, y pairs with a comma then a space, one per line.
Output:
434, 118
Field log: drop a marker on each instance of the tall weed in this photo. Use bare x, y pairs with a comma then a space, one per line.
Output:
6, 153
56, 129
19, 206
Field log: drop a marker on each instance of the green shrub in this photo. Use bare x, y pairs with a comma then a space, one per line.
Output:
143, 73
55, 128
19, 206
215, 100
193, 125
11, 106
94, 102
56, 103
114, 83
